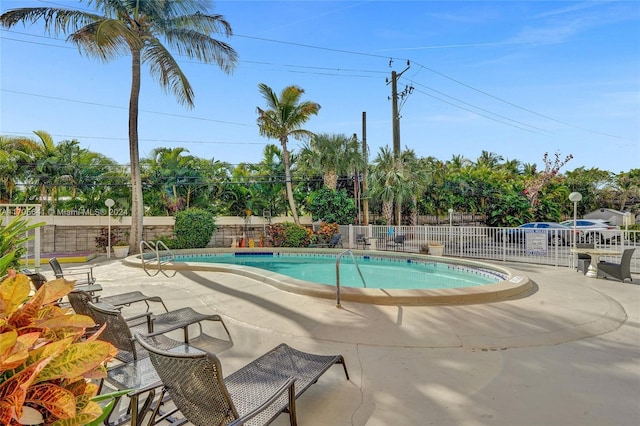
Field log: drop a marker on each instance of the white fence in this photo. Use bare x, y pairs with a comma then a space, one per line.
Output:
540, 246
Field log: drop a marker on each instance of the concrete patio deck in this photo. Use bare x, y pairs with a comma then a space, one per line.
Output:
569, 354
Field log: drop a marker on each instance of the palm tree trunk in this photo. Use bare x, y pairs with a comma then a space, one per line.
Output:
387, 211
137, 208
331, 179
414, 211
286, 159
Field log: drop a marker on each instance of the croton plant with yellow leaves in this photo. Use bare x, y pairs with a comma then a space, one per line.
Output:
47, 362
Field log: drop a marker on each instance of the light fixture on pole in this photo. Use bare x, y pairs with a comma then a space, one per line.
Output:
575, 197
109, 203
450, 223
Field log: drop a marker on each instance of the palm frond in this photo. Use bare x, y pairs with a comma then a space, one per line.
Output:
166, 70
193, 44
106, 39
56, 21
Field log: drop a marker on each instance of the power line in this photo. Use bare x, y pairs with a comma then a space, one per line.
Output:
421, 66
474, 106
126, 108
517, 106
477, 113
186, 141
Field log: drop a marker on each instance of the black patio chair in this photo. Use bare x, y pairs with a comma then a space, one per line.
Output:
255, 394
79, 300
333, 242
87, 281
397, 242
621, 270
135, 372
362, 241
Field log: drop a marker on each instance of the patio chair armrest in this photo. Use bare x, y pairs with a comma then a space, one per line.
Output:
88, 274
287, 385
146, 315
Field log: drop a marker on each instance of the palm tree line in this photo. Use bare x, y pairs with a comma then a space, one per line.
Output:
64, 176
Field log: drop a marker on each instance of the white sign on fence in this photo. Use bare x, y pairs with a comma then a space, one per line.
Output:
536, 242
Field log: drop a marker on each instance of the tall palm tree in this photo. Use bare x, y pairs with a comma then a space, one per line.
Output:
14, 153
48, 168
488, 159
284, 117
270, 186
136, 27
386, 181
332, 155
417, 175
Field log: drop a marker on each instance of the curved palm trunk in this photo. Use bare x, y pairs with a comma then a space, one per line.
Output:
137, 207
286, 159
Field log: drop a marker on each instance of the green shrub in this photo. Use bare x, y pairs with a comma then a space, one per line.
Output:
289, 235
194, 228
332, 206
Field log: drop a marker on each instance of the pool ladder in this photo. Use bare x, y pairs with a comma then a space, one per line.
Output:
338, 305
166, 257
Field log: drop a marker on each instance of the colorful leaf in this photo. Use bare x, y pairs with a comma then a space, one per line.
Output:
14, 389
58, 401
17, 354
14, 291
65, 321
75, 360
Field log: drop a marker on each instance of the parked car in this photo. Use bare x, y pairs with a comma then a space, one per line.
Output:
557, 234
593, 230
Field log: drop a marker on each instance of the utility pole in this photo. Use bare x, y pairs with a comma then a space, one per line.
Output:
365, 185
356, 186
395, 114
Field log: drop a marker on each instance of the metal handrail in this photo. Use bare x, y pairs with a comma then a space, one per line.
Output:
155, 248
171, 257
143, 245
338, 305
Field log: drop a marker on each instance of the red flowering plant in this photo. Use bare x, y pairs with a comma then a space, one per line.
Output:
326, 231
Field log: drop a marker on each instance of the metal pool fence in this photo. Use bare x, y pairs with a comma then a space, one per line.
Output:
539, 246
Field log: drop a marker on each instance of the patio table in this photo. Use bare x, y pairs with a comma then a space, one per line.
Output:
595, 254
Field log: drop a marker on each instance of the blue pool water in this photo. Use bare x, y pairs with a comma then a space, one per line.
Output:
378, 272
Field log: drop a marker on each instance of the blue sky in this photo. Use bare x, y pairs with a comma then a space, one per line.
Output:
515, 78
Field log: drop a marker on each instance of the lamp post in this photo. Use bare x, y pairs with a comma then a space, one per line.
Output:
627, 219
450, 223
575, 197
109, 203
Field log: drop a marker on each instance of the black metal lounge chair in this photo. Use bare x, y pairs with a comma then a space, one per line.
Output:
87, 282
620, 270
255, 394
398, 241
135, 372
155, 325
333, 242
37, 279
79, 300
362, 241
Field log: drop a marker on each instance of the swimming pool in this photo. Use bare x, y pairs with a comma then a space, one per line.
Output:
377, 271
509, 284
